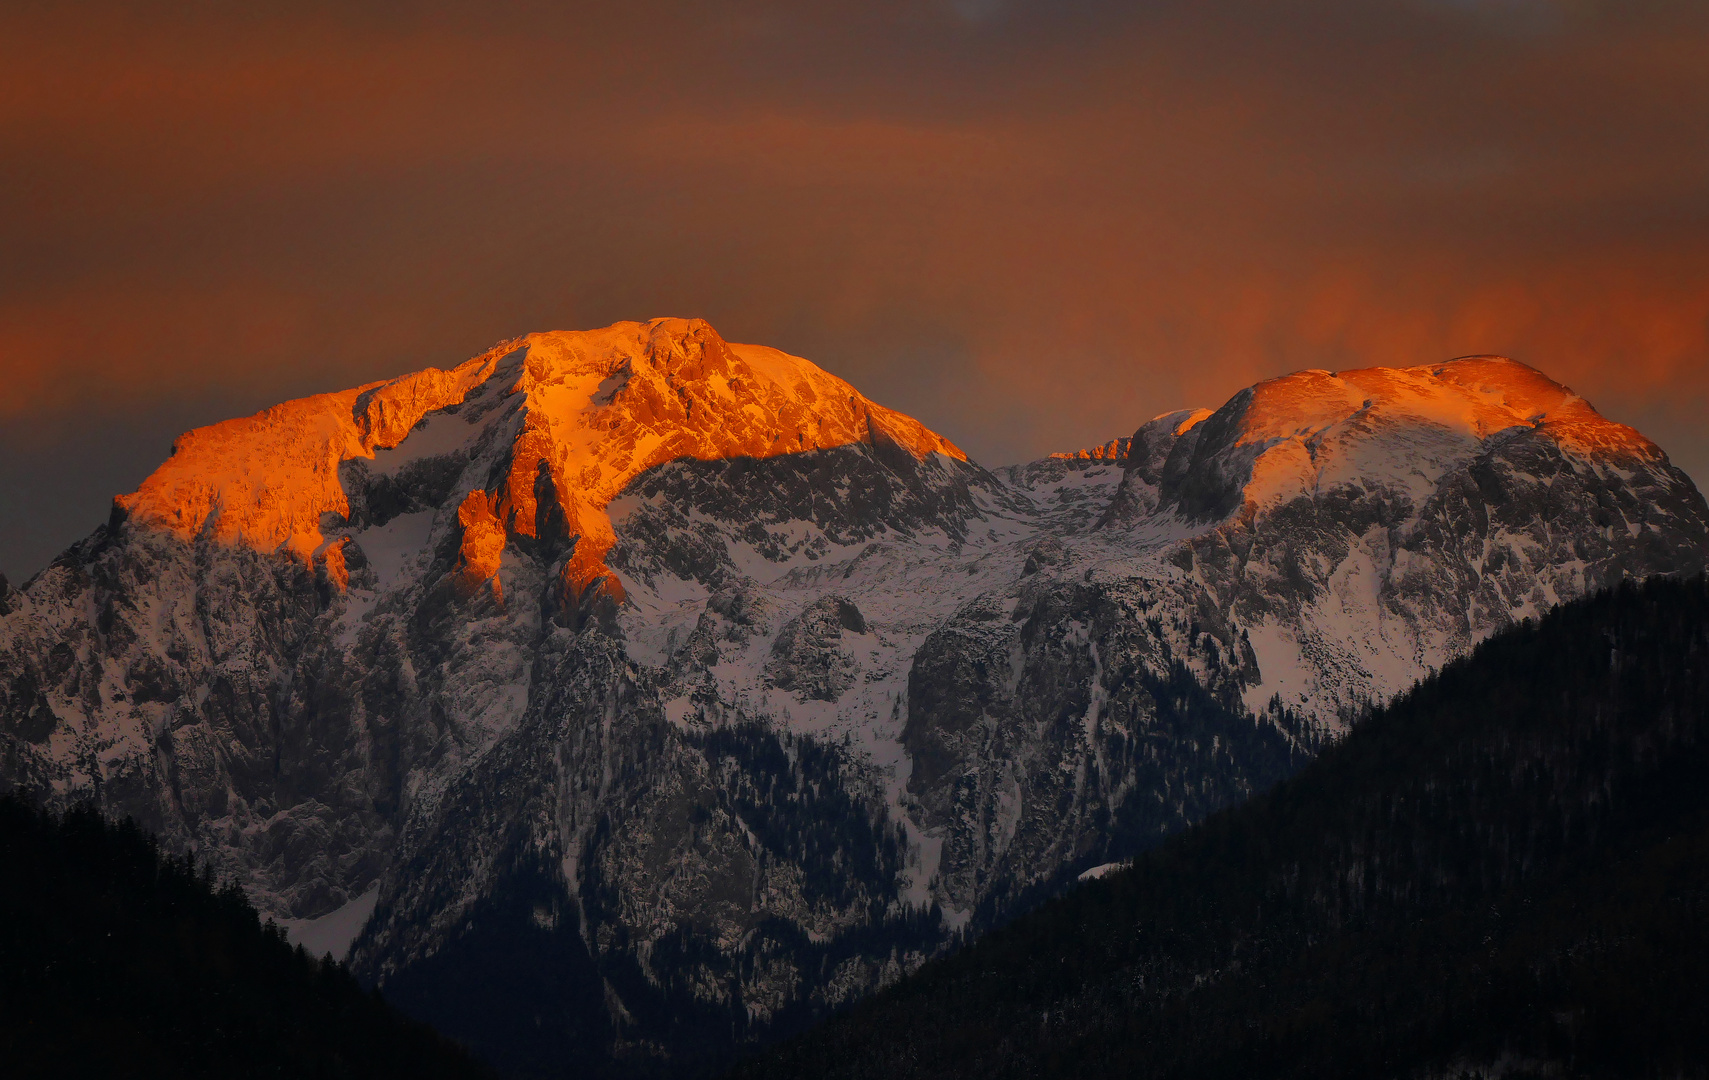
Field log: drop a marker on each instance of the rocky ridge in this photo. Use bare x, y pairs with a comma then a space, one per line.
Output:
686, 692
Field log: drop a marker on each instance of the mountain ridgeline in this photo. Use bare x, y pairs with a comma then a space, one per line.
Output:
1503, 872
117, 960
659, 695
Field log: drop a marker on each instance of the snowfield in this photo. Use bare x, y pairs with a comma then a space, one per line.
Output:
757, 689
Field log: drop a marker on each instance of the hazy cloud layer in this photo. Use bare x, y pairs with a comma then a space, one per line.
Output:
1032, 225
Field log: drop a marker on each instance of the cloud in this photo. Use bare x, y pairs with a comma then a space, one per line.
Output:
1032, 228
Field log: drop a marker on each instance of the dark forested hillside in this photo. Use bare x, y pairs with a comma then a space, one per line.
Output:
1504, 871
118, 961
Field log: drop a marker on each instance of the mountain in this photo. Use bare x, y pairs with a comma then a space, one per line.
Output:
1504, 872
639, 696
118, 961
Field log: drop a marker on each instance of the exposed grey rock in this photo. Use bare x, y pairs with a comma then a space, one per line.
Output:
847, 701
808, 656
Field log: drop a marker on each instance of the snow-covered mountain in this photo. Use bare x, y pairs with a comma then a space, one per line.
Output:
656, 693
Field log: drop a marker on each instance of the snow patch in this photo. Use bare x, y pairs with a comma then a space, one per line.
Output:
1097, 872
397, 544
335, 931
1280, 667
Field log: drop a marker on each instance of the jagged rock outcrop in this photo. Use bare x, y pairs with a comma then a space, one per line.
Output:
1370, 525
808, 656
657, 694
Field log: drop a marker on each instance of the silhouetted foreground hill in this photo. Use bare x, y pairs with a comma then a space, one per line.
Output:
118, 961
1505, 871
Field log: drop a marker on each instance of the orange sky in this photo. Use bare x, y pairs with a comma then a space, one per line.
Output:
1032, 225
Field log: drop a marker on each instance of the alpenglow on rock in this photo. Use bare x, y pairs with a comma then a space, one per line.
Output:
657, 694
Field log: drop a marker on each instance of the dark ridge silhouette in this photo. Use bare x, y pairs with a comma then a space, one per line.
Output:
1504, 872
117, 960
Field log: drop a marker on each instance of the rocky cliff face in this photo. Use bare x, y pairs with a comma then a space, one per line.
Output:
1371, 525
657, 693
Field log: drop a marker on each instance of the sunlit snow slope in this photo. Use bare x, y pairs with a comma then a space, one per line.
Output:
713, 694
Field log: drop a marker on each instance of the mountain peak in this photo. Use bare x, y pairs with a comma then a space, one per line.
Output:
1313, 429
833, 675
1478, 397
1114, 450
582, 413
